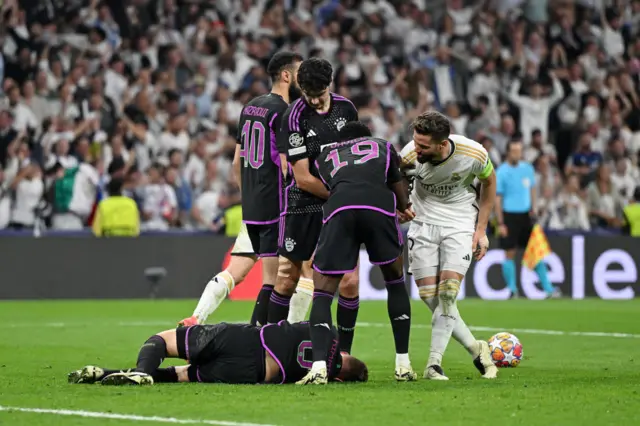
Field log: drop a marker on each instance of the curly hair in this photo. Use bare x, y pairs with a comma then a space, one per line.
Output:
434, 124
314, 75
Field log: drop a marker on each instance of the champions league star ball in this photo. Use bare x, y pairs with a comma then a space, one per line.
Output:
506, 350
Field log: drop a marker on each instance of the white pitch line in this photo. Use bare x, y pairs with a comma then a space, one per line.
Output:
523, 330
131, 417
170, 324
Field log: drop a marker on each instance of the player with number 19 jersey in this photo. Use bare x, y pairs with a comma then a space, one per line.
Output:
262, 184
303, 133
361, 208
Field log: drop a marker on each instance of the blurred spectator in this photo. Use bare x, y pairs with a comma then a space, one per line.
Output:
605, 204
584, 161
568, 210
74, 194
28, 189
538, 147
151, 90
623, 179
547, 175
160, 209
535, 107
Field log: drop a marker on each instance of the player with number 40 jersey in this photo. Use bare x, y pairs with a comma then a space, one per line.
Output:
257, 169
261, 176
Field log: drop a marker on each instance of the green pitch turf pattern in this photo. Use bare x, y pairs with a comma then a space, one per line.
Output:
570, 378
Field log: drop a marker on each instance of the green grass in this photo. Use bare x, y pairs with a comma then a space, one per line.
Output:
563, 379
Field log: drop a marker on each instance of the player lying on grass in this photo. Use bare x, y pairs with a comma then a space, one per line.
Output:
229, 353
366, 187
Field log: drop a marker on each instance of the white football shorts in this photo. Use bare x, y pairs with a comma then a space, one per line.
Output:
242, 246
435, 248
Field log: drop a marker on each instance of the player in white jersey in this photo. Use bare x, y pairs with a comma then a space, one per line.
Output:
448, 229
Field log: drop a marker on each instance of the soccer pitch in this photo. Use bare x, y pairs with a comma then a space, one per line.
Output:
580, 367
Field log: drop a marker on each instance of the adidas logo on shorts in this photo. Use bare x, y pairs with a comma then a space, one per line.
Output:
467, 257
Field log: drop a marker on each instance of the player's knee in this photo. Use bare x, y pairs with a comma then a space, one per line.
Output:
306, 269
350, 285
393, 270
182, 371
427, 287
428, 292
448, 290
270, 266
288, 276
170, 342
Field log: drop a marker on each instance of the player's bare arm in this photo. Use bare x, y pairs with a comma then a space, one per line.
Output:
284, 165
400, 189
402, 194
407, 165
398, 184
306, 181
534, 204
487, 200
237, 168
502, 229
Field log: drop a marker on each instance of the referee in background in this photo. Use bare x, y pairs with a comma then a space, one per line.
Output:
515, 207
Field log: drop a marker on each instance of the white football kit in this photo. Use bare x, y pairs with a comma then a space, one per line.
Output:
444, 200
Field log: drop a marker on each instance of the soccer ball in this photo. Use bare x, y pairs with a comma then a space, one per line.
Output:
506, 350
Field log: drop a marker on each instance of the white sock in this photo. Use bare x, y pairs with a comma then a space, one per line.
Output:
301, 301
402, 360
213, 295
442, 323
428, 294
318, 366
461, 332
465, 337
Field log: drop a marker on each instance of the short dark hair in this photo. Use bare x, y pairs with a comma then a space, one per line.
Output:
354, 130
315, 75
114, 187
173, 151
280, 62
434, 124
357, 371
512, 143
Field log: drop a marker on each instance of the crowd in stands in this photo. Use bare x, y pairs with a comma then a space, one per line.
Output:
150, 91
